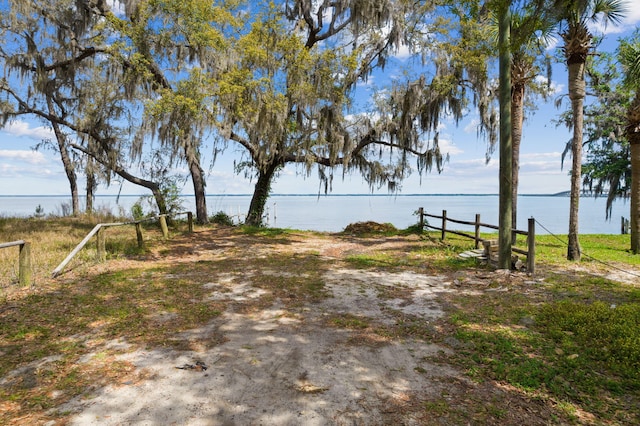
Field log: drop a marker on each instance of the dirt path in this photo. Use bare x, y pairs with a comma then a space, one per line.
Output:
290, 365
333, 359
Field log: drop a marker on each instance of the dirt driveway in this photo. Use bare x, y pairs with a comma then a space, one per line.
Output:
363, 346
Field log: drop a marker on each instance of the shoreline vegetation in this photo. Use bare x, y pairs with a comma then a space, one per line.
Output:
562, 346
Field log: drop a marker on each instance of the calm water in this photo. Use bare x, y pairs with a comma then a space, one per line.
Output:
333, 212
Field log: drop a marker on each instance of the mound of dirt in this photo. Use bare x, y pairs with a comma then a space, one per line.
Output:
362, 228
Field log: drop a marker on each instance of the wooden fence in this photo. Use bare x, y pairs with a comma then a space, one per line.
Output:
98, 230
24, 260
489, 245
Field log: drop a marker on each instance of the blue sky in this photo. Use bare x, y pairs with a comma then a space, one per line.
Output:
24, 171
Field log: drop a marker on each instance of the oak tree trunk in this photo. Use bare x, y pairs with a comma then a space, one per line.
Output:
197, 178
90, 189
154, 187
67, 163
261, 194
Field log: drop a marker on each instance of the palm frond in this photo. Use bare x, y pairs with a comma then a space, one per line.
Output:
608, 11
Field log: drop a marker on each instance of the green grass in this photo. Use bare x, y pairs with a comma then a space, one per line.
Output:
576, 351
567, 337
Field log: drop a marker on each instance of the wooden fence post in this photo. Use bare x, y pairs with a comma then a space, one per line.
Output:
531, 246
444, 224
101, 256
163, 225
139, 235
624, 226
477, 233
190, 221
421, 218
24, 268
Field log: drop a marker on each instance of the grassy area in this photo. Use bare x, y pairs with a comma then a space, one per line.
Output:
573, 339
567, 336
52, 239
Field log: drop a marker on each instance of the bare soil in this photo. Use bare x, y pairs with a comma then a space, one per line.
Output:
321, 360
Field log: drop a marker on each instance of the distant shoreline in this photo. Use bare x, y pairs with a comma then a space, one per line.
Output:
560, 194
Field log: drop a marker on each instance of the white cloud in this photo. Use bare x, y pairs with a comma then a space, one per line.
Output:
633, 14
403, 52
541, 156
30, 157
472, 127
22, 128
629, 22
470, 168
448, 147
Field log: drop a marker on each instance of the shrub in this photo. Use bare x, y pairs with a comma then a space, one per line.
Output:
137, 211
221, 218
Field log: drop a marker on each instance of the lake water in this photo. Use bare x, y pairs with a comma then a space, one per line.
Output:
333, 213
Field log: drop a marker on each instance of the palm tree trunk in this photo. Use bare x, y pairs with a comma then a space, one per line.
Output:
635, 197
577, 90
633, 134
517, 116
505, 202
260, 195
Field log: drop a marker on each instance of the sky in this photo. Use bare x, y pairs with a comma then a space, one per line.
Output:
25, 171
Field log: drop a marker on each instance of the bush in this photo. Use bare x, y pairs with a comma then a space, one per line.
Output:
137, 211
221, 218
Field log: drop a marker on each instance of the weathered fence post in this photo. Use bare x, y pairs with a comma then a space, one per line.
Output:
477, 233
444, 224
163, 225
139, 235
24, 264
531, 246
421, 218
624, 226
101, 256
190, 221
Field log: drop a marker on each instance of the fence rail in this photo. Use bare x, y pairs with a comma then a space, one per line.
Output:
24, 260
489, 245
98, 230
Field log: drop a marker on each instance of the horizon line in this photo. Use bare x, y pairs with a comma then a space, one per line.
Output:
483, 194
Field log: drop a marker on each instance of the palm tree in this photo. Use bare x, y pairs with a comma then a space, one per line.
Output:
517, 31
630, 60
531, 30
574, 17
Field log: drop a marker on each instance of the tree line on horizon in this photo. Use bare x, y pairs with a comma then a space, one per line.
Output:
134, 88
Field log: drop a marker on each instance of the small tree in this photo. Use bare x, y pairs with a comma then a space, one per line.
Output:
607, 169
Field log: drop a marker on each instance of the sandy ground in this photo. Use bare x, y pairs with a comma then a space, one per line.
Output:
281, 367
